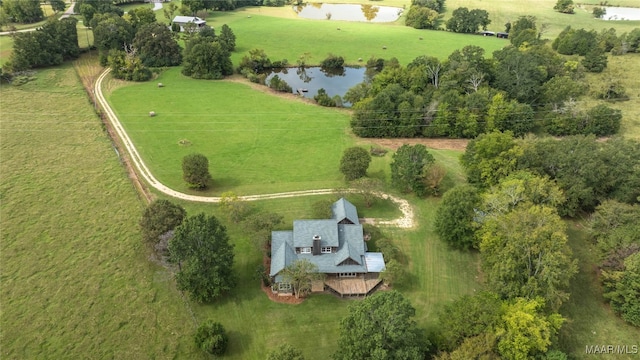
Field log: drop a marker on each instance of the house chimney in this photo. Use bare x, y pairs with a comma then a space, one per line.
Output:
316, 244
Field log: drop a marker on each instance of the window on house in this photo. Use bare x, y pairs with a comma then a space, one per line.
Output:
325, 250
305, 250
284, 287
347, 274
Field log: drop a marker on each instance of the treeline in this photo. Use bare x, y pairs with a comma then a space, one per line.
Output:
524, 87
131, 44
512, 213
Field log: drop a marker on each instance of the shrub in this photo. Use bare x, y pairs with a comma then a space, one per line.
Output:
278, 84
323, 99
332, 62
195, 171
212, 338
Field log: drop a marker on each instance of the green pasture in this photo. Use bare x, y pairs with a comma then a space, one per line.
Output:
285, 37
503, 11
75, 281
256, 143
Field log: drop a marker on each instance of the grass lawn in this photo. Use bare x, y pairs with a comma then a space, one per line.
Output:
284, 37
75, 281
590, 320
255, 142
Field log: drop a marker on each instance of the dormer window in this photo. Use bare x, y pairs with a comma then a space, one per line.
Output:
326, 250
305, 250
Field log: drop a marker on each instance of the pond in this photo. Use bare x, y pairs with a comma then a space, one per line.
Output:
348, 12
313, 79
621, 13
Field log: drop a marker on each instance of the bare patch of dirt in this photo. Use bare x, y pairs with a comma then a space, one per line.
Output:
438, 144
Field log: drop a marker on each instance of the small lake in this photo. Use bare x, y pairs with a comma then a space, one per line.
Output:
348, 12
621, 13
314, 78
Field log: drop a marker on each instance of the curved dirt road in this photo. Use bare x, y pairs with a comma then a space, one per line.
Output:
406, 221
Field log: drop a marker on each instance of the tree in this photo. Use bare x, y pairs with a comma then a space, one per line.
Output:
126, 65
236, 209
433, 176
169, 11
368, 188
469, 316
156, 46
57, 5
354, 163
595, 60
407, 168
521, 188
54, 42
455, 221
599, 12
614, 225
227, 38
525, 25
195, 171
204, 59
490, 157
420, 17
300, 274
525, 254
381, 327
525, 331
160, 217
21, 11
111, 32
141, 16
212, 338
285, 352
564, 6
621, 281
464, 21
201, 248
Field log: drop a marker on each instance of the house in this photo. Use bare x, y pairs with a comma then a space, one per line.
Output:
336, 246
184, 20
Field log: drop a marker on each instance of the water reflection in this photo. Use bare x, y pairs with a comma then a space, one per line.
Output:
309, 80
621, 13
348, 12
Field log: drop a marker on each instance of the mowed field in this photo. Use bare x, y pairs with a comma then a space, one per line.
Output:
75, 281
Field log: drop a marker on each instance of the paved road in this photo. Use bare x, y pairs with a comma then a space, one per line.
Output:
406, 221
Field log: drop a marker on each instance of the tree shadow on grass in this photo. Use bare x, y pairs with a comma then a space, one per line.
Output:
238, 342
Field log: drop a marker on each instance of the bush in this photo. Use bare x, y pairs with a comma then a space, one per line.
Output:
420, 17
195, 171
212, 338
599, 12
354, 163
332, 62
323, 99
278, 84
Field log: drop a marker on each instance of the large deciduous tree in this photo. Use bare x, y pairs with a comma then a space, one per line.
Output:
300, 275
564, 6
525, 254
490, 157
464, 21
201, 248
111, 32
455, 218
156, 46
381, 327
354, 163
160, 217
206, 59
23, 11
408, 168
195, 171
142, 16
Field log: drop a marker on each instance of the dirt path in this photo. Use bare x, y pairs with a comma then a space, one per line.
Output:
406, 221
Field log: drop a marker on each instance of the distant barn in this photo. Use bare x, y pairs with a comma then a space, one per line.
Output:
502, 35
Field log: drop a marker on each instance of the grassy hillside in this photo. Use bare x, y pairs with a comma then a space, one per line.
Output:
75, 281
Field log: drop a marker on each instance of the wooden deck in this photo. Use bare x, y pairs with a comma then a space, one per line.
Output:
352, 286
